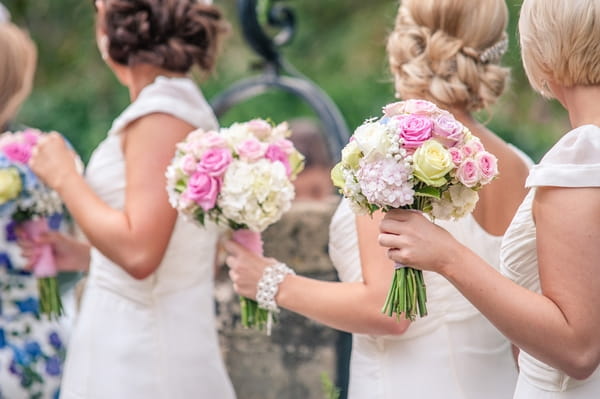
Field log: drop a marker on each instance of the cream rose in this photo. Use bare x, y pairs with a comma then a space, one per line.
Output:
372, 139
10, 185
432, 162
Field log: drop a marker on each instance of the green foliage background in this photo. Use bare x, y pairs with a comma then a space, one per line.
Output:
340, 44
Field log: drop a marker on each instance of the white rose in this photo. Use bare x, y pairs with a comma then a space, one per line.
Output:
372, 139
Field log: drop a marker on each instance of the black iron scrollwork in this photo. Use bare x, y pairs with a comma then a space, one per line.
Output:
258, 18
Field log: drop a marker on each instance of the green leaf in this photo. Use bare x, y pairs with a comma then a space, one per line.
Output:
428, 191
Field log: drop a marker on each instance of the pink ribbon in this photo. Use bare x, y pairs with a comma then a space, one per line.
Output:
45, 266
249, 239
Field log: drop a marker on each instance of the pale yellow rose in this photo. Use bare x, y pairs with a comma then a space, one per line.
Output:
297, 163
372, 139
10, 184
337, 176
432, 162
351, 154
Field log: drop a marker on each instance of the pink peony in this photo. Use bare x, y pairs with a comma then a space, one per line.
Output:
421, 107
488, 166
447, 130
251, 149
415, 130
203, 189
215, 161
276, 154
468, 173
17, 152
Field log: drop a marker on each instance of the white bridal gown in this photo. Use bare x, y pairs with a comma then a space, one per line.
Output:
452, 353
573, 162
153, 338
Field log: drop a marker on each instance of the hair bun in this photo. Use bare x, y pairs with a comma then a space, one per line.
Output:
433, 54
170, 34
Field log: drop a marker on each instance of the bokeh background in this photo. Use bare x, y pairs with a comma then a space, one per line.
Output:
339, 44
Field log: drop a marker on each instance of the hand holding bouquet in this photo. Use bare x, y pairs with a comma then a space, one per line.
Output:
417, 156
28, 202
239, 177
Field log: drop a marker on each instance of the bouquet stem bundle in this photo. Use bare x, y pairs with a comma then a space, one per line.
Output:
252, 315
407, 294
45, 271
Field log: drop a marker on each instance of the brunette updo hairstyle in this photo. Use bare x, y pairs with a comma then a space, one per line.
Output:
435, 51
171, 34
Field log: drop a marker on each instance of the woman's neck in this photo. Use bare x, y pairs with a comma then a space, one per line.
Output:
582, 104
142, 75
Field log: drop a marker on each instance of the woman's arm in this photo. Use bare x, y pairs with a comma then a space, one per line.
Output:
353, 307
560, 326
137, 236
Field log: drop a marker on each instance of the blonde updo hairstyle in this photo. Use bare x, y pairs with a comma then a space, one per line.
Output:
17, 68
560, 42
435, 51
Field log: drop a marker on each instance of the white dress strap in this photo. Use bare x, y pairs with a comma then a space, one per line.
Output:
174, 96
573, 162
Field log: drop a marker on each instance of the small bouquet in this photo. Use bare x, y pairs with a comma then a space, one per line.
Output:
29, 203
241, 178
416, 156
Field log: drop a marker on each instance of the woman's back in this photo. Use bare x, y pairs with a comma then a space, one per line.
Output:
161, 326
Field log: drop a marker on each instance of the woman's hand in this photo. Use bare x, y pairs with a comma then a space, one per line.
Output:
53, 161
69, 253
246, 268
417, 242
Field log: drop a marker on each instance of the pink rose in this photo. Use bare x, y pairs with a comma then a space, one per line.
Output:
457, 156
422, 107
394, 109
488, 166
286, 145
17, 152
472, 147
215, 161
276, 154
468, 173
251, 149
447, 130
212, 140
259, 127
31, 136
415, 130
203, 189
188, 164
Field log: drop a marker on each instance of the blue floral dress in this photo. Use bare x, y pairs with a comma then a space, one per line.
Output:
32, 349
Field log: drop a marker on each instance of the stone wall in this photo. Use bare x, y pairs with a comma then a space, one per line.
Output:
289, 363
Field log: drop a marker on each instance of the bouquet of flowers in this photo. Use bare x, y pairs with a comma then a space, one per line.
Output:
29, 203
416, 156
239, 177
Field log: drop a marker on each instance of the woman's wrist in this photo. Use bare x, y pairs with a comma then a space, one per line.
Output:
268, 286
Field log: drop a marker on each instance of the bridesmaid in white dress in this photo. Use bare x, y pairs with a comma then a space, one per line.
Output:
454, 352
146, 328
550, 309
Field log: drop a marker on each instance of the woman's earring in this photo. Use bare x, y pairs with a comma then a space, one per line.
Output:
104, 47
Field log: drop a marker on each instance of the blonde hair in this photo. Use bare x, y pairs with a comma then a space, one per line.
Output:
560, 42
439, 50
17, 67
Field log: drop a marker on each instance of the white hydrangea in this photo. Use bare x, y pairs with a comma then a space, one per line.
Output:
255, 194
456, 202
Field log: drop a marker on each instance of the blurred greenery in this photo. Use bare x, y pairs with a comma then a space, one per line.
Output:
340, 44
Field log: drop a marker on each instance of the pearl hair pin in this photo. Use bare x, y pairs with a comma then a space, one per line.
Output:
495, 52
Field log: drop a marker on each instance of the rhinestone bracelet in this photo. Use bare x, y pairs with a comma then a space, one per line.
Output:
268, 285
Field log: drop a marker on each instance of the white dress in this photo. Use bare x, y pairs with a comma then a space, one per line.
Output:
153, 338
452, 353
573, 162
